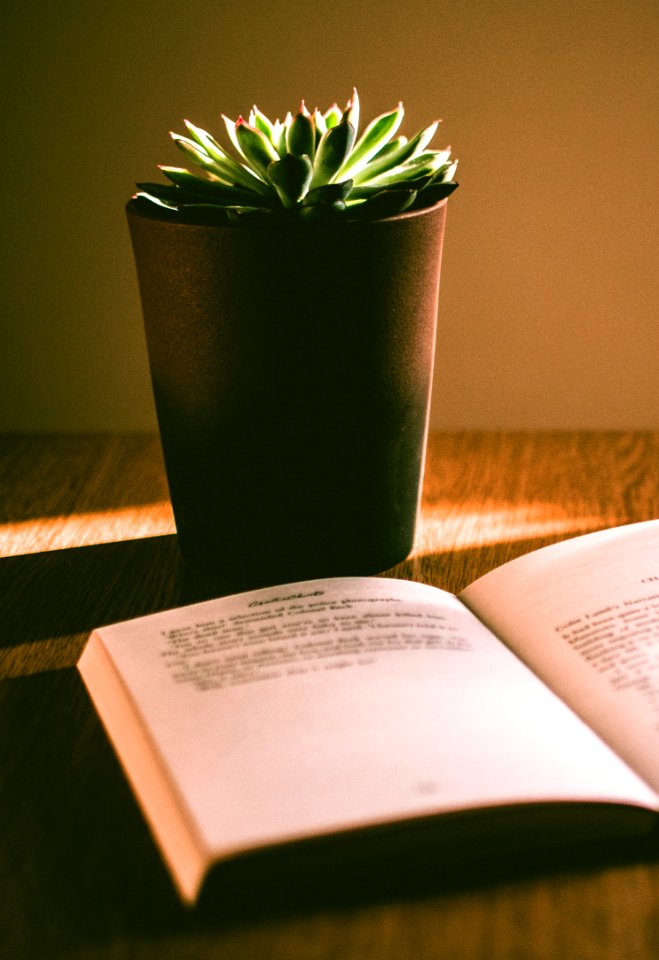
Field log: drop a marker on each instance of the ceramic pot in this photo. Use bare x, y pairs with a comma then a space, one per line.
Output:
291, 369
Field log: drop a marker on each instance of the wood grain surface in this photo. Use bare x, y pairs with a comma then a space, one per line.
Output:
87, 537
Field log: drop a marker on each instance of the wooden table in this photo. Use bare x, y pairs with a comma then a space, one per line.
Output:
87, 537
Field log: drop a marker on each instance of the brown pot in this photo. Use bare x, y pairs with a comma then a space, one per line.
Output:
291, 368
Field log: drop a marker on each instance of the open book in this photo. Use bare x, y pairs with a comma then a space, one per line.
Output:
340, 706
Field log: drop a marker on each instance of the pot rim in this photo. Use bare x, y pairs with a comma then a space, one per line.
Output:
136, 209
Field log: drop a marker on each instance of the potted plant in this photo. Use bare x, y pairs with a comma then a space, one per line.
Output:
289, 291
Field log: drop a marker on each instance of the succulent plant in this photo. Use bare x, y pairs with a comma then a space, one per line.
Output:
308, 166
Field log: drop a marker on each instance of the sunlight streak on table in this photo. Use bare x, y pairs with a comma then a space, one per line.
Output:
469, 525
85, 529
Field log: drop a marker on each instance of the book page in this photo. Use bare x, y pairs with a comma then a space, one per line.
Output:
322, 706
585, 615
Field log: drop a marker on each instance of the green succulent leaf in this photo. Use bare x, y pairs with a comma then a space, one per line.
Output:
151, 199
259, 120
329, 193
386, 159
388, 150
193, 151
219, 164
322, 211
351, 112
208, 144
319, 123
427, 165
230, 126
333, 116
386, 203
256, 147
435, 192
279, 137
211, 190
376, 134
301, 134
334, 147
161, 191
446, 172
367, 191
290, 177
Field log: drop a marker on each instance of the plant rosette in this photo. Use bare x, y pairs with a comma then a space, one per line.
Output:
308, 166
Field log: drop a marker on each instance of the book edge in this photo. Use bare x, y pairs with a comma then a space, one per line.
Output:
162, 806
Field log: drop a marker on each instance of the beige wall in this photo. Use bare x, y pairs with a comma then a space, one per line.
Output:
550, 292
